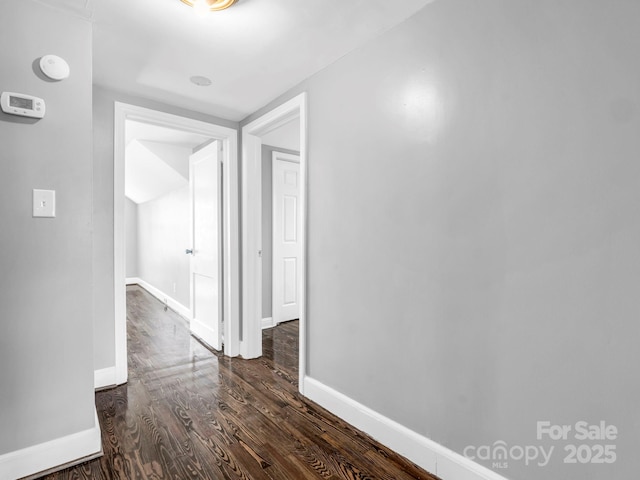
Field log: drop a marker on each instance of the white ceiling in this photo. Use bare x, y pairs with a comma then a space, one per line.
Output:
253, 52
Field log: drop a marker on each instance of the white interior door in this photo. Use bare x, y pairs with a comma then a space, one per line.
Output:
286, 237
206, 249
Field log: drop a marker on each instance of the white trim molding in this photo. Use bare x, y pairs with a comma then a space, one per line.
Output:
251, 344
267, 323
104, 377
170, 302
52, 455
133, 280
422, 451
285, 157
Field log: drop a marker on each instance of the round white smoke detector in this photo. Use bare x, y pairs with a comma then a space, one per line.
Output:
54, 67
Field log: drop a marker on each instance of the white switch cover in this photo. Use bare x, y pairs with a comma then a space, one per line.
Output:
44, 203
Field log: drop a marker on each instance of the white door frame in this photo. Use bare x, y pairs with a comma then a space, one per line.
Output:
251, 342
231, 262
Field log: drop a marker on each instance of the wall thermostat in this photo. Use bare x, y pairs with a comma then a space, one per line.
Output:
21, 104
54, 67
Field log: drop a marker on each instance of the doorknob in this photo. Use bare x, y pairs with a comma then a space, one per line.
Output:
188, 251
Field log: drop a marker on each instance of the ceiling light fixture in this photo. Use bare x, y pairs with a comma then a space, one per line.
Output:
206, 6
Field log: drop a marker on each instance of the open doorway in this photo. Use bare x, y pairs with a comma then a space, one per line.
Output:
173, 222
157, 211
291, 113
206, 136
281, 224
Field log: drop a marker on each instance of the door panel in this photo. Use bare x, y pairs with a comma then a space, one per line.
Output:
286, 238
290, 280
206, 287
290, 222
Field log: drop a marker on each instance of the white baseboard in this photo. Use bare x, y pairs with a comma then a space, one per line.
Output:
105, 377
422, 451
66, 451
160, 295
267, 323
132, 280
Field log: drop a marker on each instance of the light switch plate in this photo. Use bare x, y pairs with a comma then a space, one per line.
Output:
44, 203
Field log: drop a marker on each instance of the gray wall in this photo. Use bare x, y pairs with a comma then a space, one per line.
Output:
131, 237
103, 118
285, 136
46, 374
163, 236
267, 226
474, 224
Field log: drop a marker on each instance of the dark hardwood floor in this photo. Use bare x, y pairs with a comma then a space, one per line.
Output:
188, 413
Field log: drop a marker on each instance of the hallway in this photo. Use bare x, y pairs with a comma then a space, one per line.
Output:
188, 413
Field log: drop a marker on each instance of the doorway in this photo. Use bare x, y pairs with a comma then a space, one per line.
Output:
285, 247
252, 226
157, 211
226, 138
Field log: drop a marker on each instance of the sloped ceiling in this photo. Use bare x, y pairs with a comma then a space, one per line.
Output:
176, 156
156, 159
253, 52
147, 176
156, 133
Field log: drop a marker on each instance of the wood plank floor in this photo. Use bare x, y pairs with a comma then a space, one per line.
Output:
188, 413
